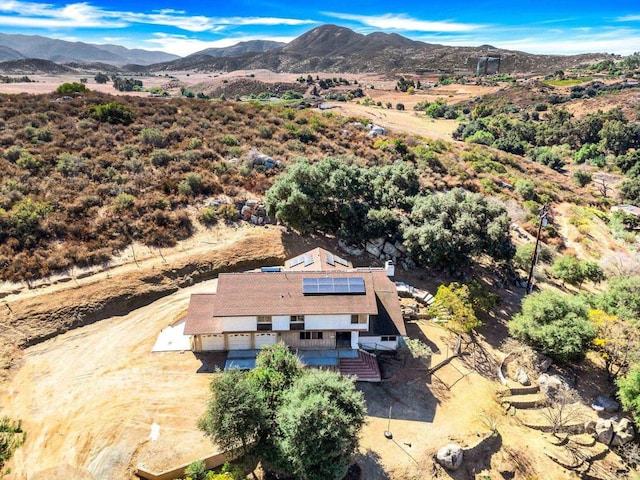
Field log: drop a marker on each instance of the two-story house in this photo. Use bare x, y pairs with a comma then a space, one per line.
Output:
315, 301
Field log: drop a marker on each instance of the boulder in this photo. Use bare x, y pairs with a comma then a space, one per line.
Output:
390, 249
450, 456
522, 377
604, 431
550, 385
605, 403
623, 432
374, 248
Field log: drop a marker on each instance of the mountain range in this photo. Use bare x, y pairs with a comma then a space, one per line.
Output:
328, 48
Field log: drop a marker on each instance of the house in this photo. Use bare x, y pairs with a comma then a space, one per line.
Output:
628, 209
316, 301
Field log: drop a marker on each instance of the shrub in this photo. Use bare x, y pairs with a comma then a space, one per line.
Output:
229, 212
229, 141
191, 185
582, 178
399, 106
113, 113
629, 392
526, 189
68, 164
196, 470
124, 201
152, 137
209, 216
161, 158
71, 88
28, 161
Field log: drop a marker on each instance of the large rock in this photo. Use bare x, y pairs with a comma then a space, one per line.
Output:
607, 404
450, 456
550, 385
623, 432
604, 431
522, 377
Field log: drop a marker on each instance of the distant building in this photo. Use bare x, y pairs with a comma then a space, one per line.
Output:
488, 65
630, 209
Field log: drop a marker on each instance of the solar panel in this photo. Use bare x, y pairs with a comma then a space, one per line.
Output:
308, 259
296, 261
330, 260
341, 261
333, 286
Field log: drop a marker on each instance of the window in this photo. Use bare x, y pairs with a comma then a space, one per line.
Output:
358, 319
310, 335
296, 322
388, 338
264, 322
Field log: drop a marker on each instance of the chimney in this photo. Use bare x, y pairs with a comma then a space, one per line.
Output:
390, 268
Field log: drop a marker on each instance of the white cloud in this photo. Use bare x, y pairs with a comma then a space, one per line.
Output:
629, 18
84, 15
183, 45
403, 22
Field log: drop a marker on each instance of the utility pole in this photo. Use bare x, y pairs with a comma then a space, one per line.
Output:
544, 212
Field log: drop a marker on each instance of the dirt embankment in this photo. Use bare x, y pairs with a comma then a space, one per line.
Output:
31, 319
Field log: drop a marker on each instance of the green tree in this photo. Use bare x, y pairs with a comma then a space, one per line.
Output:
630, 191
617, 136
589, 152
455, 299
449, 229
320, 420
621, 298
629, 392
524, 254
236, 412
568, 269
558, 324
525, 188
101, 78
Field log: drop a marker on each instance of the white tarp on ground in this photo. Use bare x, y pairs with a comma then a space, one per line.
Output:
172, 338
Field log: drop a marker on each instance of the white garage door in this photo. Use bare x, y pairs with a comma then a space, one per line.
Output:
239, 341
213, 342
262, 339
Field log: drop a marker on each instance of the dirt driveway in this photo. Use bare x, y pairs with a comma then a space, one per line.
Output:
88, 398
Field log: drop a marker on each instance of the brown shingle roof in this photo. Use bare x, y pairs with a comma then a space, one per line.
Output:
200, 318
387, 294
258, 293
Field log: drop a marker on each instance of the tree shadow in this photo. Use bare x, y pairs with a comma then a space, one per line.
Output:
476, 460
371, 466
211, 362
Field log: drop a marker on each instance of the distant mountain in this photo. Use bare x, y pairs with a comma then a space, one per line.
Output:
331, 48
61, 51
31, 66
328, 48
252, 46
8, 53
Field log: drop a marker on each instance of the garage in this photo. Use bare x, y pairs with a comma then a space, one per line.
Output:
262, 339
212, 342
239, 341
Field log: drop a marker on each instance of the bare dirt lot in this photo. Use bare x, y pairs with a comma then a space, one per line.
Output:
90, 397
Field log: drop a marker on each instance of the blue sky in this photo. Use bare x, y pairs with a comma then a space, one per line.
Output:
182, 28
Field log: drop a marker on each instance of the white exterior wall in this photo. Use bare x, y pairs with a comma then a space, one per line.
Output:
239, 324
280, 322
333, 322
376, 342
354, 340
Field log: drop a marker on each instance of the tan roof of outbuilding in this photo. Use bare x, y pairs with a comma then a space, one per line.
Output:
322, 260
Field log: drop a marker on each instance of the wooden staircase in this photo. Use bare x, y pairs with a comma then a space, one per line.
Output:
364, 367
